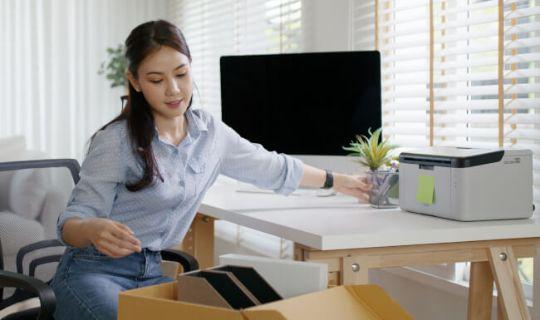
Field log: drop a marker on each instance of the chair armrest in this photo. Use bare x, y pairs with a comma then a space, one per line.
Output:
45, 293
35, 246
188, 262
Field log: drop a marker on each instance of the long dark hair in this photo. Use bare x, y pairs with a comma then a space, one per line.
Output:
144, 40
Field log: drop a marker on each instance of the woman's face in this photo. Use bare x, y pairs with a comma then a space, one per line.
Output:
164, 77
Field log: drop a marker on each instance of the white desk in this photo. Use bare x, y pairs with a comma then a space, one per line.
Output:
352, 238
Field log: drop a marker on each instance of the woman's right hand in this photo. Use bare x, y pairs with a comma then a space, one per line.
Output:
111, 238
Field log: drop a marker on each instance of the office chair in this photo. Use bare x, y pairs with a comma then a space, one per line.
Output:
25, 284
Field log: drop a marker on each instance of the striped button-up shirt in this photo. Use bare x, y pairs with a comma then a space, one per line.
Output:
160, 214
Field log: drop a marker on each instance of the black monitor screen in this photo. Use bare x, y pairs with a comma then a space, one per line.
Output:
306, 103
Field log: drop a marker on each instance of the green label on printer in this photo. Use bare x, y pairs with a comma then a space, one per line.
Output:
425, 191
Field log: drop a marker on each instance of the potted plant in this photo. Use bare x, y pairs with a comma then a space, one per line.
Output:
114, 68
374, 153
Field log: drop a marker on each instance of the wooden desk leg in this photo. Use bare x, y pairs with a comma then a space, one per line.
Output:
501, 314
199, 241
354, 270
504, 267
480, 291
335, 269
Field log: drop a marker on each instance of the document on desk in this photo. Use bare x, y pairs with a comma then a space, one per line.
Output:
247, 188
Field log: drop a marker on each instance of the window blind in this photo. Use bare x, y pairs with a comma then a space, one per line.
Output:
227, 27
459, 73
456, 72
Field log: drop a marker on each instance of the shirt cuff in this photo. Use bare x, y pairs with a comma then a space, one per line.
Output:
293, 176
60, 224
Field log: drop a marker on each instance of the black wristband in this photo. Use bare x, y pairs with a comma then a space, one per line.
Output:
329, 181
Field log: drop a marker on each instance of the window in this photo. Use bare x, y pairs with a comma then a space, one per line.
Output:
457, 73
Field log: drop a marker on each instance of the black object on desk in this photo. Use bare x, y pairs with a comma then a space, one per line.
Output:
303, 103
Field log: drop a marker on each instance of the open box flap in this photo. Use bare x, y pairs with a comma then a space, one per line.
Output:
367, 302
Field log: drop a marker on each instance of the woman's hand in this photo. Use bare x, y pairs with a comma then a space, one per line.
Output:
111, 238
356, 186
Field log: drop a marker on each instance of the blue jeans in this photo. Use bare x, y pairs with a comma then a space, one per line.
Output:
87, 283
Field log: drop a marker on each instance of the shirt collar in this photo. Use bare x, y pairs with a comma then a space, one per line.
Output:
195, 122
194, 126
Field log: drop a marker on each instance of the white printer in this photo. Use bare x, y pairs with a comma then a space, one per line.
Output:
467, 184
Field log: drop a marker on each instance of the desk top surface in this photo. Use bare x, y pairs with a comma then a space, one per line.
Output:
340, 222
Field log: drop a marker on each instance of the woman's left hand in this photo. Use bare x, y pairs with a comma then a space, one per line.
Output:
356, 186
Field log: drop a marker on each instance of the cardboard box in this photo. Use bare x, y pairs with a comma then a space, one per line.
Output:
233, 287
367, 302
254, 282
214, 288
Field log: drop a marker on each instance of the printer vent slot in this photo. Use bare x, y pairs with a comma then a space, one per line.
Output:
426, 163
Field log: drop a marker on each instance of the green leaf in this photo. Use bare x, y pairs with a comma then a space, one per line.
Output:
114, 67
370, 151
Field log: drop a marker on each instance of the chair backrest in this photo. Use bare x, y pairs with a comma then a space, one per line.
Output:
5, 183
71, 164
33, 193
13, 149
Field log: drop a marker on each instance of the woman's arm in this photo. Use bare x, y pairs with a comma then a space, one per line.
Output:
110, 237
85, 220
313, 177
355, 186
251, 163
73, 233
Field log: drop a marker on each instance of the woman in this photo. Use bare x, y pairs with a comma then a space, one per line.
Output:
146, 173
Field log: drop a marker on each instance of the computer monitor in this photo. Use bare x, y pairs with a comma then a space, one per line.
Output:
304, 103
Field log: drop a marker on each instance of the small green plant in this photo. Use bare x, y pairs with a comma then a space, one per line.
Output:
370, 151
114, 68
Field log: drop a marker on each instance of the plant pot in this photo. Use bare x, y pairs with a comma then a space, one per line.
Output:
385, 189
